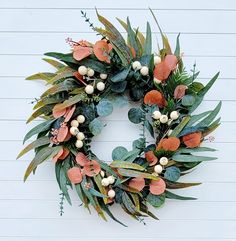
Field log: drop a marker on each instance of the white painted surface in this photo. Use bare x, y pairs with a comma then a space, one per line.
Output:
29, 212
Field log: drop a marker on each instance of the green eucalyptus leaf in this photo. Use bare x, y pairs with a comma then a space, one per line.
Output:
148, 42
156, 200
119, 152
126, 165
135, 115
188, 100
96, 126
191, 158
120, 76
172, 195
134, 173
104, 108
119, 87
172, 173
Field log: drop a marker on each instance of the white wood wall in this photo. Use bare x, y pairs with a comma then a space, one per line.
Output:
29, 212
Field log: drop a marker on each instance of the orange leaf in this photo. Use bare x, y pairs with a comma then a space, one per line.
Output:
154, 97
157, 187
69, 112
62, 133
78, 76
170, 144
81, 159
74, 174
101, 51
58, 113
91, 168
151, 158
81, 52
180, 91
137, 183
192, 140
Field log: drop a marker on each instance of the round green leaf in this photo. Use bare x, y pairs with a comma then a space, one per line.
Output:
172, 174
188, 100
156, 200
119, 152
135, 115
104, 108
95, 127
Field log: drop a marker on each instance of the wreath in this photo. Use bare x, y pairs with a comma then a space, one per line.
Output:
87, 83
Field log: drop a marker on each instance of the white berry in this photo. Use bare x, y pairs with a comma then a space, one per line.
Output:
144, 70
82, 70
105, 182
89, 89
158, 169
90, 72
157, 60
164, 119
164, 161
80, 136
79, 144
74, 131
156, 81
102, 173
169, 132
74, 123
136, 65
103, 76
81, 119
111, 193
174, 115
156, 115
111, 179
100, 86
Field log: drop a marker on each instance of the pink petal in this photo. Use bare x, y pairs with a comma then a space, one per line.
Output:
69, 112
137, 183
74, 175
81, 52
58, 113
157, 187
180, 91
91, 168
62, 133
81, 159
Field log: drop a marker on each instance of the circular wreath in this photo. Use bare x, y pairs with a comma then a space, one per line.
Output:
87, 83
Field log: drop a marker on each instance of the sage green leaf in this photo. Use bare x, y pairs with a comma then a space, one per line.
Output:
191, 158
102, 189
71, 101
195, 118
119, 152
178, 185
95, 65
172, 195
63, 57
104, 108
197, 149
212, 127
133, 173
41, 156
199, 97
96, 127
44, 126
129, 204
120, 76
126, 165
44, 110
42, 141
119, 87
181, 126
131, 155
172, 173
96, 193
149, 127
209, 118
148, 41
156, 200
63, 73
43, 76
192, 129
132, 38
177, 48
188, 100
139, 143
54, 63
135, 115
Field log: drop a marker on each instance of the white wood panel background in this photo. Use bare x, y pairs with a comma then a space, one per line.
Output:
29, 212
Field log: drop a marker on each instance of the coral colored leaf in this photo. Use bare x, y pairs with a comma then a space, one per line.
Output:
171, 61
56, 157
74, 174
81, 159
192, 140
62, 133
157, 187
137, 183
65, 153
91, 168
81, 52
151, 158
69, 112
161, 71
170, 144
58, 113
101, 51
154, 97
180, 91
